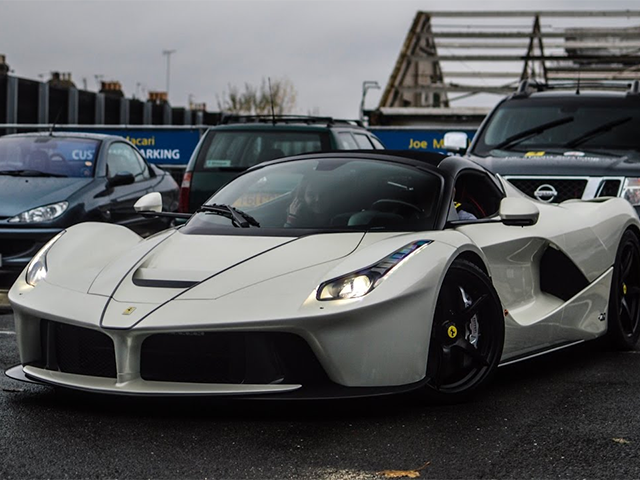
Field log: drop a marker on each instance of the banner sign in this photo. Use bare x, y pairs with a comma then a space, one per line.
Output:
161, 147
421, 140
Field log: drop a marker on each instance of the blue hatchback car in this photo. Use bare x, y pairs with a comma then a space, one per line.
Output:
50, 181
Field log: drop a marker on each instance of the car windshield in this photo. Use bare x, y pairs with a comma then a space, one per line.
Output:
240, 149
329, 194
582, 123
48, 156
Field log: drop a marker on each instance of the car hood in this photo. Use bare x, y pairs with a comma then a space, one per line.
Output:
19, 194
545, 163
206, 267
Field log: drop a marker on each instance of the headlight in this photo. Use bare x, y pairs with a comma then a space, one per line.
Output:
358, 284
37, 268
41, 214
631, 191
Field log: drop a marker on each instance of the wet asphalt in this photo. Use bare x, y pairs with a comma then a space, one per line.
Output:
574, 414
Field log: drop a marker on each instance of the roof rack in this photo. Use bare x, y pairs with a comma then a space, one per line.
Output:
285, 119
526, 87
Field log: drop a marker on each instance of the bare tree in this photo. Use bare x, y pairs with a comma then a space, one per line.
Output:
257, 100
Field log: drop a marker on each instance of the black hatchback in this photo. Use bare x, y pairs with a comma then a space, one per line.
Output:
50, 181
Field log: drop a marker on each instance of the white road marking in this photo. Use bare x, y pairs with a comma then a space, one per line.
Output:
6, 332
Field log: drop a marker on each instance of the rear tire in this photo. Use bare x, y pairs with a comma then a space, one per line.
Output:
623, 316
467, 335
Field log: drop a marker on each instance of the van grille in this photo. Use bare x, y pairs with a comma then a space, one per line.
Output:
609, 188
565, 189
15, 247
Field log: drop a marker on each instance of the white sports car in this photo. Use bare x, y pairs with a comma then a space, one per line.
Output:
330, 275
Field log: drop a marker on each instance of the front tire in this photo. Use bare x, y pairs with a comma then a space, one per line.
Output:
467, 335
623, 317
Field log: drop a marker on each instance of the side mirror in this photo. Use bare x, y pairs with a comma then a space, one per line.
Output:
518, 212
151, 202
455, 142
121, 178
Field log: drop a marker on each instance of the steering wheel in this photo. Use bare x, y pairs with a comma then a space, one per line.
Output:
395, 206
56, 157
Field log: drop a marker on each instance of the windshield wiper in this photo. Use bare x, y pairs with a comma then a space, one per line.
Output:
30, 173
238, 217
597, 131
531, 132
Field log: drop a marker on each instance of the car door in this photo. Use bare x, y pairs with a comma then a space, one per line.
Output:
123, 159
534, 268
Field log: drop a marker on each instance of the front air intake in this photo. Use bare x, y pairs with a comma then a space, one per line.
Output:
229, 357
82, 351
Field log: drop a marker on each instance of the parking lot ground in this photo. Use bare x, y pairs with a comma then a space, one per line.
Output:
572, 414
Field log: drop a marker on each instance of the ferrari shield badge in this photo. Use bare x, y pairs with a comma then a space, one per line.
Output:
452, 331
129, 311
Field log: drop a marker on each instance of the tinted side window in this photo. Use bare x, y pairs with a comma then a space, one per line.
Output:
475, 193
146, 174
347, 142
122, 158
377, 143
363, 141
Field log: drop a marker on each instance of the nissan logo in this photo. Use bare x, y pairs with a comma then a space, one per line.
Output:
545, 193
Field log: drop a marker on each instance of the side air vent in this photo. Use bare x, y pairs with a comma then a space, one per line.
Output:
559, 276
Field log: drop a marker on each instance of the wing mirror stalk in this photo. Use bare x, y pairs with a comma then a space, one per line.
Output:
513, 212
150, 205
121, 178
455, 142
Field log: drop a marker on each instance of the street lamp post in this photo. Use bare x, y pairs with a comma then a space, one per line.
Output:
366, 85
168, 54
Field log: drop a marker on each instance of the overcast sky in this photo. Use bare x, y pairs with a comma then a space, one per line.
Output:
326, 48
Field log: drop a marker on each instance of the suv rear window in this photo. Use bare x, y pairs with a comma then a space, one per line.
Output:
235, 149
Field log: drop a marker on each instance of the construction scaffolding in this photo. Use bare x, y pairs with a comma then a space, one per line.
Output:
448, 58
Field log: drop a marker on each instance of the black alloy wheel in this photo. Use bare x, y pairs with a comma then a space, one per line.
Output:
623, 317
467, 335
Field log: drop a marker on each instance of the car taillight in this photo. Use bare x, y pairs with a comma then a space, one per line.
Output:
185, 190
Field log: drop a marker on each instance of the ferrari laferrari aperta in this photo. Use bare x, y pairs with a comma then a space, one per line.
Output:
330, 275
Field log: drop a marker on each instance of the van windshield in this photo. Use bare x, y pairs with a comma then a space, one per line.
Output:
238, 150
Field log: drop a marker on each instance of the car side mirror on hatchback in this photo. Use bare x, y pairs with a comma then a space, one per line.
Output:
455, 142
518, 212
151, 202
121, 178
